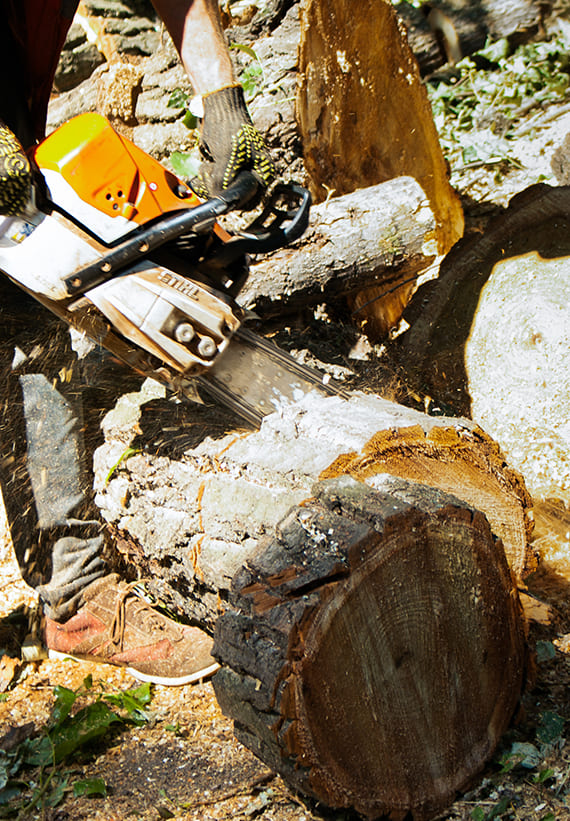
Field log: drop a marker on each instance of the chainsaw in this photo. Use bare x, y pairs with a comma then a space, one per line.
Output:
127, 254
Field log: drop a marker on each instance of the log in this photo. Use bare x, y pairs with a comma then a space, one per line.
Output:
364, 115
340, 586
474, 24
366, 670
491, 336
335, 586
197, 518
383, 235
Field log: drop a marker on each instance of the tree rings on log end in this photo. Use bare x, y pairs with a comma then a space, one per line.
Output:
467, 463
393, 657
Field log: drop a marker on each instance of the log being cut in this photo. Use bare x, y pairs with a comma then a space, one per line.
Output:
365, 612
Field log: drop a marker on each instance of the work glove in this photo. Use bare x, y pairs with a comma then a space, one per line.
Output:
15, 175
229, 143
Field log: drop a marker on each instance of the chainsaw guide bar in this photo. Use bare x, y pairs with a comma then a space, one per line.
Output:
254, 378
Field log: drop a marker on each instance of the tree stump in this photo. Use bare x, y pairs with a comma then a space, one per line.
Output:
373, 650
491, 336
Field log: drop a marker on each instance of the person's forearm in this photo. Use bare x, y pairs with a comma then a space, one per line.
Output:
195, 28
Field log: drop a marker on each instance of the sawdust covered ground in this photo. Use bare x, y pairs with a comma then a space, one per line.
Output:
184, 763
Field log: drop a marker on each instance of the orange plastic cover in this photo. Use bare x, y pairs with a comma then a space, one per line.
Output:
109, 172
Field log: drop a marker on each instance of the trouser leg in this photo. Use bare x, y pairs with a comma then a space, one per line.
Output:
46, 455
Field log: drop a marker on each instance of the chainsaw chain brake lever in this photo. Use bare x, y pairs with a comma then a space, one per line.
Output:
283, 220
138, 245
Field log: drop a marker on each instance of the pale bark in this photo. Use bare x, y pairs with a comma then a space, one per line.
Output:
382, 236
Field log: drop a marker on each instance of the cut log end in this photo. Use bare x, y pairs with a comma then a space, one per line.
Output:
364, 690
468, 464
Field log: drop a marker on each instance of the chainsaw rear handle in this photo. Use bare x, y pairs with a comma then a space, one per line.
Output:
199, 220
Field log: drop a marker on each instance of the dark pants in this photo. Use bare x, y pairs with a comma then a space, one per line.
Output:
45, 455
51, 404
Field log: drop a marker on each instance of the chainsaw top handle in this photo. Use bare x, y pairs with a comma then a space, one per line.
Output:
259, 237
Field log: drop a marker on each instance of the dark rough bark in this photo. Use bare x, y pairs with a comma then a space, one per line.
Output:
373, 649
475, 23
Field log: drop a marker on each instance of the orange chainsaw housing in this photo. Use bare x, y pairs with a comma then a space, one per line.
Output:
109, 172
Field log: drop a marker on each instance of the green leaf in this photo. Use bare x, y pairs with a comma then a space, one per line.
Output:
252, 80
142, 693
550, 728
37, 752
126, 454
190, 120
246, 49
90, 787
543, 775
185, 165
498, 809
9, 793
56, 794
64, 701
477, 814
133, 702
178, 99
90, 722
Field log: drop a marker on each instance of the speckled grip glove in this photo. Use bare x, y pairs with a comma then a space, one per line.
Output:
229, 143
15, 175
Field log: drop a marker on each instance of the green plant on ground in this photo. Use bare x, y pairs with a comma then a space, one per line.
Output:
35, 774
526, 757
477, 110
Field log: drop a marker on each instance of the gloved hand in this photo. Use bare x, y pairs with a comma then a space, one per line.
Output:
15, 175
229, 143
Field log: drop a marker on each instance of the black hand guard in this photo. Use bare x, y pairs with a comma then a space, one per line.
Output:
229, 143
15, 175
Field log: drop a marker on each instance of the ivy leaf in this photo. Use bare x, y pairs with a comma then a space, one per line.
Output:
89, 723
90, 787
178, 99
64, 701
185, 165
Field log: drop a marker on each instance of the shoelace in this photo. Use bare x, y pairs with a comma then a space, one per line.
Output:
141, 608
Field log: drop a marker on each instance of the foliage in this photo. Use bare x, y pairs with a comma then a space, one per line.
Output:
251, 76
30, 776
478, 108
529, 757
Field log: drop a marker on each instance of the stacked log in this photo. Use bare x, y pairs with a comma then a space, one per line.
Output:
353, 605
